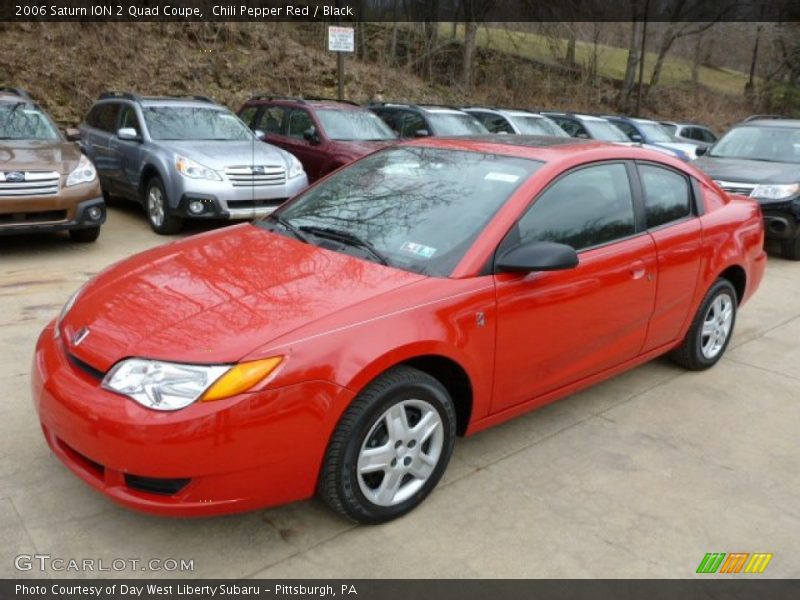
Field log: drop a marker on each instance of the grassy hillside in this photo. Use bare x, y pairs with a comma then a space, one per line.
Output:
67, 65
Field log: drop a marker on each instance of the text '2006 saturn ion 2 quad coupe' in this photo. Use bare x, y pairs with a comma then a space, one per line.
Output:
46, 184
428, 290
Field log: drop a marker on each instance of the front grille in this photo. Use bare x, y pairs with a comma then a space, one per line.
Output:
272, 203
155, 485
87, 463
46, 216
85, 367
256, 176
34, 183
737, 187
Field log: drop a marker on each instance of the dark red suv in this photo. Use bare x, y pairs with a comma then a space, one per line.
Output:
323, 133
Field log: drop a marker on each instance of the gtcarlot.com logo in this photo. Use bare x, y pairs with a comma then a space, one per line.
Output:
735, 562
46, 562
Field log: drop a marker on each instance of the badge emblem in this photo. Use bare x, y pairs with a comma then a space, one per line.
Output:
81, 335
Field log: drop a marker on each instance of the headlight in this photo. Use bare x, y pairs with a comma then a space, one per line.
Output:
172, 386
295, 167
83, 173
194, 170
775, 192
65, 310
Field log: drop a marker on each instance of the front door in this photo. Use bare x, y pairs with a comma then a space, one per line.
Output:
556, 328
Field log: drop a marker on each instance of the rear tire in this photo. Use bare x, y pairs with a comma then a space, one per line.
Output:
84, 236
156, 205
390, 448
791, 248
711, 329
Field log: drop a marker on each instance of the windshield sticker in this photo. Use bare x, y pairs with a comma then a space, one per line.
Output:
504, 177
418, 249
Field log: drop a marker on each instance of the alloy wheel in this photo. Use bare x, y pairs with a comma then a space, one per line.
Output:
716, 326
155, 206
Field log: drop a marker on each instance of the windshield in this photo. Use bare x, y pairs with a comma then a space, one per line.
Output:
420, 208
354, 125
23, 122
775, 144
194, 123
605, 131
455, 124
655, 133
538, 126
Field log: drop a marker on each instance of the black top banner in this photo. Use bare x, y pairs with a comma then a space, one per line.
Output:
402, 10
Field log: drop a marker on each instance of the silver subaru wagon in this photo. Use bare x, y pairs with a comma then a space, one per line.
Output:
185, 157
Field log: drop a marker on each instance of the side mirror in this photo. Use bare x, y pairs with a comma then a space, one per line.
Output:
422, 133
260, 134
635, 137
700, 151
311, 135
72, 134
537, 256
128, 134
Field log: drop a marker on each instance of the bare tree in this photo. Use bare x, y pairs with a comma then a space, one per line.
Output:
473, 11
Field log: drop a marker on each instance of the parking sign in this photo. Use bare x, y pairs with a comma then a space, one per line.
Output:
341, 39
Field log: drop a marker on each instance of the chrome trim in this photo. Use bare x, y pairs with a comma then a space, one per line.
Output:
36, 183
256, 175
736, 187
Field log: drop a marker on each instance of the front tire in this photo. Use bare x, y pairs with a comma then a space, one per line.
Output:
85, 235
157, 207
711, 330
390, 448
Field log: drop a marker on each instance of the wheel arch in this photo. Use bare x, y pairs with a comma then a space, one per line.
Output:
737, 277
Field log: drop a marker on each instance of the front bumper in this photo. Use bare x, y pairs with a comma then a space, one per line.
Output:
77, 217
250, 451
222, 200
781, 219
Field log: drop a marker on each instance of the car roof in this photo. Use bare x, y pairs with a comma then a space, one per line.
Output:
585, 117
508, 112
776, 123
429, 108
8, 98
169, 101
327, 103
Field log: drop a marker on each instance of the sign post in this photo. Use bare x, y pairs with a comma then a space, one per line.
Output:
341, 40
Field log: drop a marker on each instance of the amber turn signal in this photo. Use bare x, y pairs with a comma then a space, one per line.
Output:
241, 378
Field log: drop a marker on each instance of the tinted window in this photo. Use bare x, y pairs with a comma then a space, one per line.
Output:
666, 195
107, 116
272, 120
412, 124
247, 115
130, 120
588, 207
391, 117
705, 135
573, 128
627, 128
299, 122
421, 208
494, 123
93, 118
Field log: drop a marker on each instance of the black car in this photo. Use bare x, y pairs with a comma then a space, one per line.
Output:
760, 158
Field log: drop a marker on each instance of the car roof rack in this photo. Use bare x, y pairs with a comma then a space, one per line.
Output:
760, 117
17, 91
328, 99
276, 97
197, 97
118, 94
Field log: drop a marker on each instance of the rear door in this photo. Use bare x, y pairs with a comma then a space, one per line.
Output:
102, 122
299, 121
557, 328
127, 154
671, 216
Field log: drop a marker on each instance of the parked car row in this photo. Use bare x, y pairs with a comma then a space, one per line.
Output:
190, 158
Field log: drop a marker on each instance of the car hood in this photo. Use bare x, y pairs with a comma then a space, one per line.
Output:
357, 149
215, 297
219, 155
38, 155
748, 171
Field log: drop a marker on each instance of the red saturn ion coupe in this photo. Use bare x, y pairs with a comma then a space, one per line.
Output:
426, 291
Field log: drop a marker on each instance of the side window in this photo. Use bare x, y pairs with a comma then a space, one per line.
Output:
494, 123
129, 119
573, 128
706, 136
588, 207
391, 117
107, 117
273, 121
692, 133
627, 128
667, 196
93, 118
299, 122
247, 115
412, 123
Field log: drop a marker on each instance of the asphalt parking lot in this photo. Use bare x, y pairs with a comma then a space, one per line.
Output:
637, 477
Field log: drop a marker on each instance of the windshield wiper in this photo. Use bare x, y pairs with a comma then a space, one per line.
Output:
288, 227
346, 237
